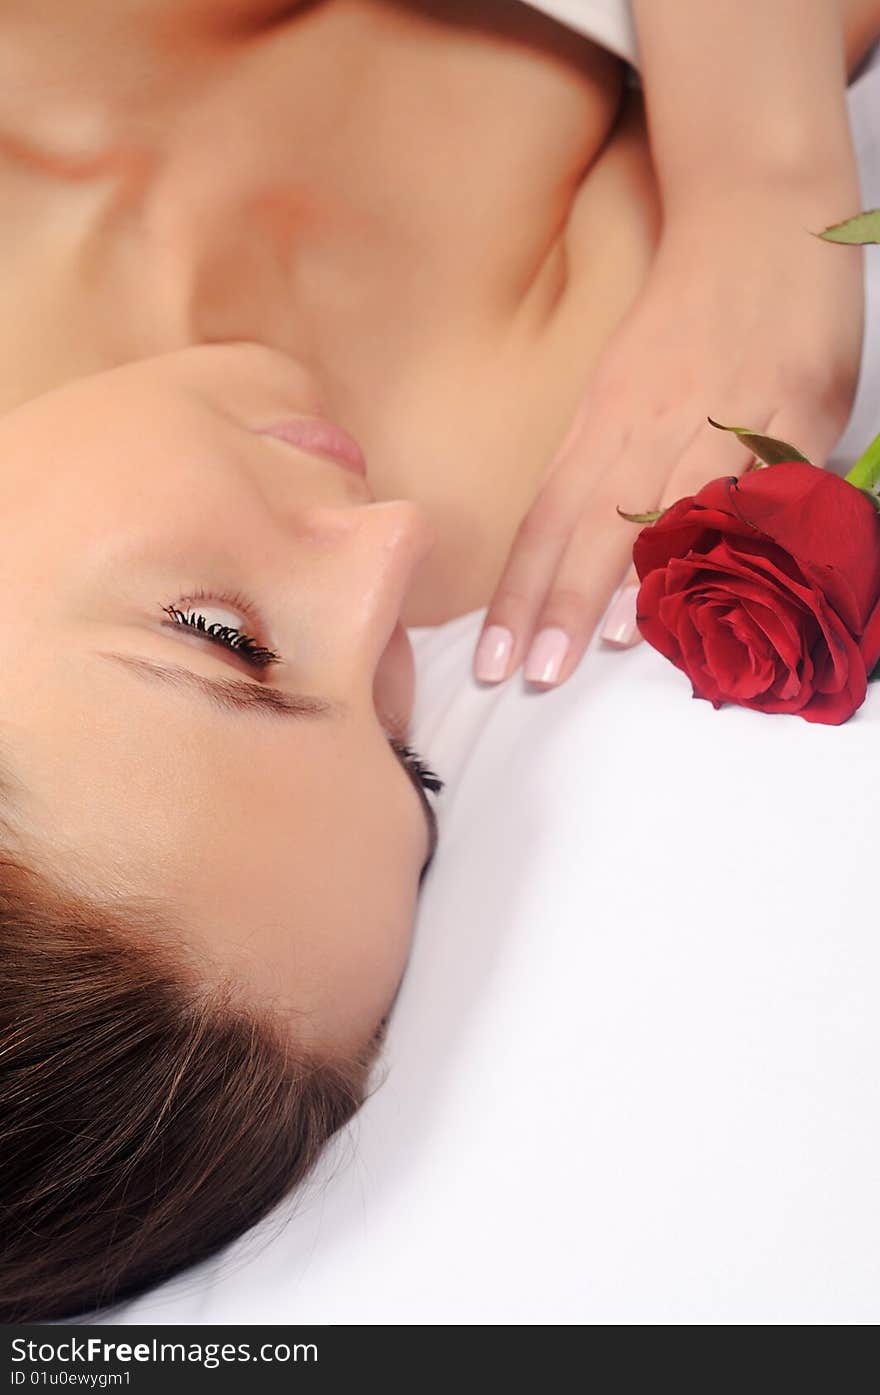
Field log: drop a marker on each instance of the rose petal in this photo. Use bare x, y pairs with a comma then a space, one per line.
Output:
778, 623
651, 626
733, 663
755, 611
820, 519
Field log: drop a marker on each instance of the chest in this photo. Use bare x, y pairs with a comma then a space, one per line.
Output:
379, 189
329, 118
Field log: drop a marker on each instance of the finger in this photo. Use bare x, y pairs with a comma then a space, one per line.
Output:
542, 535
538, 545
588, 573
597, 553
814, 435
694, 469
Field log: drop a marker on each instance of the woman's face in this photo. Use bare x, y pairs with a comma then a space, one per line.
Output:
288, 844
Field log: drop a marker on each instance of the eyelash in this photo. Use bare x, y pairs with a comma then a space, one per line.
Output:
230, 637
426, 777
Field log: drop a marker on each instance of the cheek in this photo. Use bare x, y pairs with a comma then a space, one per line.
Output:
345, 975
323, 938
368, 913
325, 916
395, 684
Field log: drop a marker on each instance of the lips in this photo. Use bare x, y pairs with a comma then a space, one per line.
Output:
320, 437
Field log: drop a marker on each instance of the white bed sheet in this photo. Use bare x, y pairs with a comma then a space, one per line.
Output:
634, 1064
633, 1070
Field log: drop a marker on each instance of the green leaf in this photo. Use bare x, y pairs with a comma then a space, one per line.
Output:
866, 471
640, 517
766, 448
874, 675
864, 227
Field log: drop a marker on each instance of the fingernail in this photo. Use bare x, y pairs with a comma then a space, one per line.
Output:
544, 659
493, 653
620, 623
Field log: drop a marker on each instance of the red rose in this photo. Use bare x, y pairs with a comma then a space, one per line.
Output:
764, 591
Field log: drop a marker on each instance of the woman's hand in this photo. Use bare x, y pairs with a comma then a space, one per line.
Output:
747, 317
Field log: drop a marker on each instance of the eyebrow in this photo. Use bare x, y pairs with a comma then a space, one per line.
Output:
239, 695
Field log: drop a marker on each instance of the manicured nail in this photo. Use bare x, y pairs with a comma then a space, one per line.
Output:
545, 657
620, 623
493, 653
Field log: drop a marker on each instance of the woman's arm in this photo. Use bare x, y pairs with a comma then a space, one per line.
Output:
745, 314
742, 95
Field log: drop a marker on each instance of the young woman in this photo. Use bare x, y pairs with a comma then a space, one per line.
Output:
233, 232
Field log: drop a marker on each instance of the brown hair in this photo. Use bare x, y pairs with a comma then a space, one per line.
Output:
148, 1116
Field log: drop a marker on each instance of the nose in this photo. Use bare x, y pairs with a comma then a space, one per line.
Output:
398, 526
394, 533
371, 553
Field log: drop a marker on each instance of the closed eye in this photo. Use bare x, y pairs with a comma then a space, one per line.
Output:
227, 636
246, 695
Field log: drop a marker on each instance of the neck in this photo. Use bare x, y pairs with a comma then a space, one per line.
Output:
76, 79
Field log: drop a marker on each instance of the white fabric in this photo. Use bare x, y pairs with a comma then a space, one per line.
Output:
633, 1067
606, 22
633, 1070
